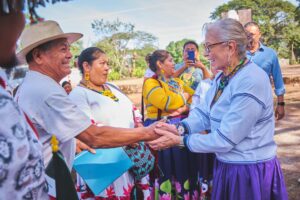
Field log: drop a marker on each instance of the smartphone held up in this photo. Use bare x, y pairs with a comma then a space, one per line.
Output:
191, 56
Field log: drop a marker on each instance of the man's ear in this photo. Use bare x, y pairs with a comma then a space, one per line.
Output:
37, 56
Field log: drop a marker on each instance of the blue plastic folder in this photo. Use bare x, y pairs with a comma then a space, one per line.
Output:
103, 168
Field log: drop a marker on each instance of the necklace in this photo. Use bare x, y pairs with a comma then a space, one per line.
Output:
225, 80
105, 92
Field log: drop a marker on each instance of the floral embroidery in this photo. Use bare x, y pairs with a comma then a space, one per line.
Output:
172, 85
168, 190
165, 197
110, 191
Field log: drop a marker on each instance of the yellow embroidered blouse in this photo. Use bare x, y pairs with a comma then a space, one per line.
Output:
164, 97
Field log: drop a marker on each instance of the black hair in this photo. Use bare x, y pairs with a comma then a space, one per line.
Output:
65, 83
191, 42
252, 23
89, 55
158, 55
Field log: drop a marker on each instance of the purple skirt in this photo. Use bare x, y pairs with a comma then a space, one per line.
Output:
261, 181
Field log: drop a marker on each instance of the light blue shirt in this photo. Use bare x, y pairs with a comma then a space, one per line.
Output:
241, 121
266, 58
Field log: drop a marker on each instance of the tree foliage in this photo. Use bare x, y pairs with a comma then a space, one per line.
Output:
125, 47
75, 49
176, 50
278, 20
298, 12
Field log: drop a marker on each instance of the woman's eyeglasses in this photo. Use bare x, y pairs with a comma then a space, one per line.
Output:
208, 47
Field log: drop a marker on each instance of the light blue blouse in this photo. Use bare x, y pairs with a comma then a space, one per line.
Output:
241, 121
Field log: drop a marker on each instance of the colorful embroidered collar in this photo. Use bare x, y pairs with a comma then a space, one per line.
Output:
225, 80
105, 92
172, 84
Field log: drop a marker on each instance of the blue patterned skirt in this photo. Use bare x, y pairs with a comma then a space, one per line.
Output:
187, 175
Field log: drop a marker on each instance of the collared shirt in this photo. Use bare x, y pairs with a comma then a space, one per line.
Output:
241, 121
191, 75
200, 93
22, 171
267, 59
52, 113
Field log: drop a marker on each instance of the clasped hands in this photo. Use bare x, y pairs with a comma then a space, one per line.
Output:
168, 136
160, 135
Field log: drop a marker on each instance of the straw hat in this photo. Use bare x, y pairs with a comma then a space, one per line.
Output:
41, 33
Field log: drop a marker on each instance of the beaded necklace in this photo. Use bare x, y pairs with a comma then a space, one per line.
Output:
105, 92
225, 80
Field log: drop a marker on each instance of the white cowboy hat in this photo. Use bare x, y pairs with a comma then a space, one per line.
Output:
41, 33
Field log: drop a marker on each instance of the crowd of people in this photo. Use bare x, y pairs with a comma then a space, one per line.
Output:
211, 133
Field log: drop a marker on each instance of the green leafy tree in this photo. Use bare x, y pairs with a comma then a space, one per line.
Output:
276, 18
75, 49
120, 41
298, 12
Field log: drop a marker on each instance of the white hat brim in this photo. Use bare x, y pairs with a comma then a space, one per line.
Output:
71, 37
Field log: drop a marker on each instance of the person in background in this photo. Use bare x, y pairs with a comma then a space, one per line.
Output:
106, 105
202, 88
191, 71
67, 86
266, 58
22, 171
238, 110
168, 97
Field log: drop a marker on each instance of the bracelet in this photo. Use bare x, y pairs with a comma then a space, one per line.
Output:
183, 141
281, 103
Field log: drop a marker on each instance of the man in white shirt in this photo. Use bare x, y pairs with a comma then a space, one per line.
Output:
46, 49
22, 172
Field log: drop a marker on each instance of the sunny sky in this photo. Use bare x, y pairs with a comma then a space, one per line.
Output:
169, 20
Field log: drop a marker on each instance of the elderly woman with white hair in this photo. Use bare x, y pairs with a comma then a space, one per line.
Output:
238, 110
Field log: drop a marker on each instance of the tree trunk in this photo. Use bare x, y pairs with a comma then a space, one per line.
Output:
293, 58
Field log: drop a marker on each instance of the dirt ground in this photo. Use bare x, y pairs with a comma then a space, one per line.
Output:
287, 137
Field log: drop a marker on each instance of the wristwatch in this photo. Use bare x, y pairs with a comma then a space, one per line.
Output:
180, 128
